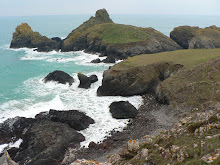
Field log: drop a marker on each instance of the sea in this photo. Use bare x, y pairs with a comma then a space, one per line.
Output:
23, 93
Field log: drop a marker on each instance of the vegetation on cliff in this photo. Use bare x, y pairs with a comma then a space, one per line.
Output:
189, 77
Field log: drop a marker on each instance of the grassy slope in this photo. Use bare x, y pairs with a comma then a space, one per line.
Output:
188, 58
117, 33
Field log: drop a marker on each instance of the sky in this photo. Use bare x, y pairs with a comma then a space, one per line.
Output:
69, 7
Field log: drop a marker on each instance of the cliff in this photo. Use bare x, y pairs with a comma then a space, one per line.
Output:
196, 38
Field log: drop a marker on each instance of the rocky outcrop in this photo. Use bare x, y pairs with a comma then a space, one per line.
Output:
123, 110
45, 143
120, 41
24, 36
196, 38
85, 82
75, 119
101, 17
60, 77
46, 137
135, 80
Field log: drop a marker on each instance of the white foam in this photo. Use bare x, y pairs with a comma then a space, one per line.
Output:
10, 145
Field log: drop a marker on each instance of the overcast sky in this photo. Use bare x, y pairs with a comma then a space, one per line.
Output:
62, 7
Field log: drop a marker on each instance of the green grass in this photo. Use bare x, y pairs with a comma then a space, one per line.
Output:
117, 33
188, 58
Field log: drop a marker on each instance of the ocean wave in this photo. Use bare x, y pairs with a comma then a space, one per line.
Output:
11, 145
65, 97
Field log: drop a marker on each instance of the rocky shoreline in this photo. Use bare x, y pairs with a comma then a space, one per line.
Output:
180, 90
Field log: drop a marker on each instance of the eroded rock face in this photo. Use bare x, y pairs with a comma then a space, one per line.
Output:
45, 143
85, 82
123, 110
60, 77
196, 38
75, 119
24, 36
135, 80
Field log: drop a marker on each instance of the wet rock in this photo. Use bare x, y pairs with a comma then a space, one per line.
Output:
85, 82
109, 60
93, 145
123, 110
45, 143
60, 77
96, 61
75, 119
13, 129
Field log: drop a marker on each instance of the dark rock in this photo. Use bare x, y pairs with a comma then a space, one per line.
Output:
197, 38
135, 80
60, 77
13, 129
93, 145
123, 110
75, 119
183, 35
25, 37
93, 78
109, 60
96, 61
44, 49
85, 82
45, 143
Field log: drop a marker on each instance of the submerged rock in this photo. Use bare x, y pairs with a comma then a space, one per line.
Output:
123, 110
24, 36
60, 77
85, 82
75, 119
96, 61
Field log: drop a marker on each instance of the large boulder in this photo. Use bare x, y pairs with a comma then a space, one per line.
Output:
60, 77
75, 119
196, 38
24, 36
85, 82
45, 143
123, 110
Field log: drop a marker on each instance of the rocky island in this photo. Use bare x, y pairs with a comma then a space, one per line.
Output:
178, 122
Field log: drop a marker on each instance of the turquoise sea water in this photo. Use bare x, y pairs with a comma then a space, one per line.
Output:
22, 92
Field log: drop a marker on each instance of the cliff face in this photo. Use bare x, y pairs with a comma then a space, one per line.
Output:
184, 77
24, 36
197, 38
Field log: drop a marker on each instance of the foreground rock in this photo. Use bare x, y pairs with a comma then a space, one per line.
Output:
60, 77
45, 143
85, 82
45, 138
196, 38
123, 110
25, 37
75, 119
